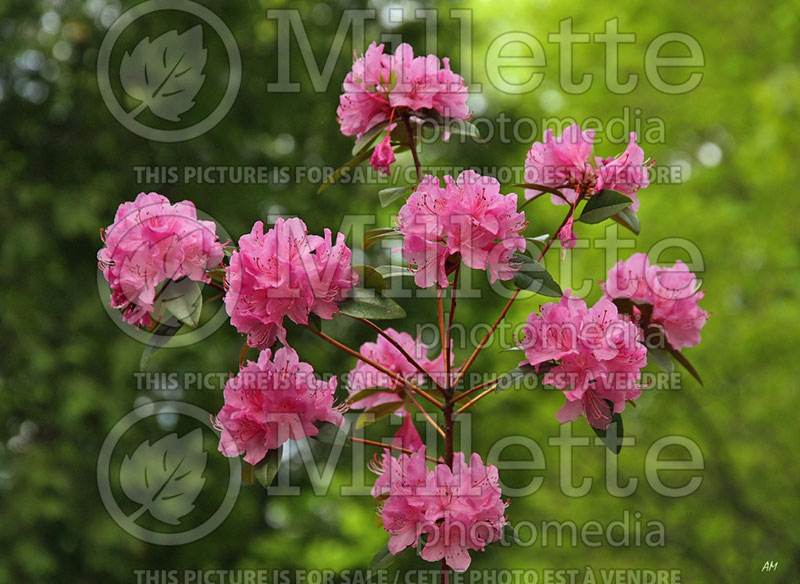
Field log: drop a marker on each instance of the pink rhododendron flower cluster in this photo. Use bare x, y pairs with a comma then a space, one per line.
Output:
459, 509
271, 401
672, 292
152, 240
467, 216
378, 83
598, 354
285, 272
564, 163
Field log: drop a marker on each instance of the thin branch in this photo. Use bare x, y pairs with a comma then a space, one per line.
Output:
476, 399
413, 146
424, 412
485, 338
447, 347
377, 366
389, 446
400, 348
472, 390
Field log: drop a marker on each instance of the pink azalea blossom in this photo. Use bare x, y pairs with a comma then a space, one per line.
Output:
563, 163
383, 156
271, 401
672, 292
567, 236
597, 355
467, 216
285, 272
150, 241
460, 509
379, 83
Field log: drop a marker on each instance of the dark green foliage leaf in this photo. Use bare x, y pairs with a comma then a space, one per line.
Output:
373, 236
182, 299
534, 277
368, 138
388, 271
379, 412
369, 277
604, 205
366, 303
161, 336
613, 434
266, 470
340, 171
628, 219
661, 358
388, 196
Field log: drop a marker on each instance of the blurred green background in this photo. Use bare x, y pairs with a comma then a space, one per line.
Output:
66, 378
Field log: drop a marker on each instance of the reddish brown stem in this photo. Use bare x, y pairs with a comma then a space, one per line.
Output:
389, 446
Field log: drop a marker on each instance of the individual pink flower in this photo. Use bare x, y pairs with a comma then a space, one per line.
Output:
271, 401
563, 163
150, 241
285, 272
468, 217
383, 156
460, 509
671, 291
380, 83
567, 236
596, 352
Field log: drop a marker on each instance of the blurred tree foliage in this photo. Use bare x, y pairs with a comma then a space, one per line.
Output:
66, 372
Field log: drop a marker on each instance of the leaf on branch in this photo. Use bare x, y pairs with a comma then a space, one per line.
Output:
603, 205
628, 219
369, 137
365, 303
613, 434
680, 358
661, 358
390, 271
463, 128
183, 299
370, 278
266, 470
390, 195
340, 171
373, 236
162, 335
534, 277
366, 393
379, 412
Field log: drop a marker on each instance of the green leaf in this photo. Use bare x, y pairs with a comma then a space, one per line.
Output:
314, 322
162, 335
390, 195
463, 128
390, 271
340, 171
366, 303
330, 434
366, 393
373, 236
217, 274
628, 219
183, 299
613, 434
369, 277
680, 358
534, 277
660, 357
368, 138
604, 205
266, 470
384, 558
513, 378
372, 415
